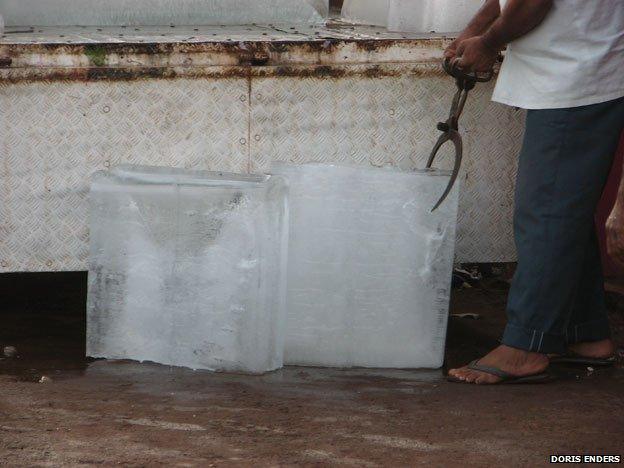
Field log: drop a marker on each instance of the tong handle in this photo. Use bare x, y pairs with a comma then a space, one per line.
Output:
450, 66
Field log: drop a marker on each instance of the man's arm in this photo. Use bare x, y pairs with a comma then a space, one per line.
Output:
484, 18
615, 227
518, 18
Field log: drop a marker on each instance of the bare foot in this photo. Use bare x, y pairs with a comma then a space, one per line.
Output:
602, 349
516, 362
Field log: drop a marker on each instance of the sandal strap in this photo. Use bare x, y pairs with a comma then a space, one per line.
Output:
474, 365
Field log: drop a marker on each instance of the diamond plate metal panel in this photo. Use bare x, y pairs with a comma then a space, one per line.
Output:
54, 135
393, 120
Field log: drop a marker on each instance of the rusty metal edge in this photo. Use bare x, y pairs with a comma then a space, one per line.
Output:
96, 74
131, 61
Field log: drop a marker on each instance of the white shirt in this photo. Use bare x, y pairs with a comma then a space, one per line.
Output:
574, 58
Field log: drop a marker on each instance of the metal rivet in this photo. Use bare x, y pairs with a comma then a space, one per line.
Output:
257, 137
259, 97
49, 263
106, 109
107, 163
243, 98
392, 112
242, 141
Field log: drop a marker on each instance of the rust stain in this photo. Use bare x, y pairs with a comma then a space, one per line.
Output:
322, 71
125, 74
321, 59
87, 74
225, 47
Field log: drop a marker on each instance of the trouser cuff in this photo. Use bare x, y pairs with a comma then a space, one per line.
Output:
595, 330
533, 340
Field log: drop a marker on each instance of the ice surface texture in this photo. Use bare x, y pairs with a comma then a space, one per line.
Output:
421, 16
188, 268
369, 267
160, 12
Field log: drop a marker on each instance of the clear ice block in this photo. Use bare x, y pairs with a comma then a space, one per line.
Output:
420, 16
423, 16
373, 12
161, 12
369, 268
187, 268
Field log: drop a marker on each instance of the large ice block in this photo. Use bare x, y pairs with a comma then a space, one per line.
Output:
369, 268
421, 16
442, 16
373, 12
188, 268
161, 12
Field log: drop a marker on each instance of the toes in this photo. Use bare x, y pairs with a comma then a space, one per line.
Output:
472, 376
459, 373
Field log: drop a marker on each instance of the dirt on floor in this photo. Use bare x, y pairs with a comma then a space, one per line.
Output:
57, 409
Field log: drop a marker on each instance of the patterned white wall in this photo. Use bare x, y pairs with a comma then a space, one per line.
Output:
54, 135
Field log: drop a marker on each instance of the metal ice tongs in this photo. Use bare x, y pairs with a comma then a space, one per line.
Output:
465, 82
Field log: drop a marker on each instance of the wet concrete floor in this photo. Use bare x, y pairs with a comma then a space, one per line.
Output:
58, 409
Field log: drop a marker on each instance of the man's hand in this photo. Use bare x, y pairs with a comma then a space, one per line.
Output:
451, 51
475, 55
615, 234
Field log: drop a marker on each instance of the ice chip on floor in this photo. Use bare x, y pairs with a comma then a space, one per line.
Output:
369, 268
187, 268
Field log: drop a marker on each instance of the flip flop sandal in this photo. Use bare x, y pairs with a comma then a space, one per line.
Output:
506, 377
573, 358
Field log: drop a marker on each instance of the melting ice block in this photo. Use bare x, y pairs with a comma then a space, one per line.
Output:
188, 268
369, 268
421, 16
149, 13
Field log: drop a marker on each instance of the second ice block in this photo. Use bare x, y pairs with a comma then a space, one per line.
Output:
369, 267
188, 268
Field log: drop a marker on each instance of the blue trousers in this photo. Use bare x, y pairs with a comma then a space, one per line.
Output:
557, 293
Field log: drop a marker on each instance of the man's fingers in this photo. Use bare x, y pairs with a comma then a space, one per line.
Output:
618, 256
459, 62
615, 244
611, 249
